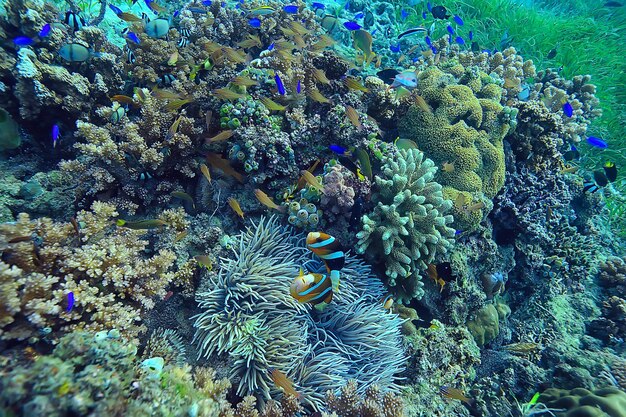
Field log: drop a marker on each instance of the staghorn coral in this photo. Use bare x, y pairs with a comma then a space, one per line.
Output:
248, 313
100, 374
409, 225
112, 282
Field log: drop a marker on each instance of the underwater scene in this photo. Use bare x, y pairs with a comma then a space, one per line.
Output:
332, 208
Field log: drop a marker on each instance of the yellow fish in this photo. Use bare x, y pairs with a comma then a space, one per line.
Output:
267, 201
234, 204
205, 171
312, 181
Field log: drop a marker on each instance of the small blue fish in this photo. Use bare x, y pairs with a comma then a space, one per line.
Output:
56, 133
597, 142
279, 85
352, 26
317, 5
133, 37
458, 232
23, 41
291, 8
373, 32
459, 40
359, 15
70, 302
176, 13
432, 48
568, 110
471, 35
395, 48
458, 20
339, 150
347, 6
429, 7
271, 47
115, 9
450, 30
428, 41
254, 22
207, 2
424, 15
45, 30
196, 10
298, 87
404, 14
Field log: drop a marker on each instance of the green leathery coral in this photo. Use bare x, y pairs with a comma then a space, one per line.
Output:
409, 224
486, 325
465, 128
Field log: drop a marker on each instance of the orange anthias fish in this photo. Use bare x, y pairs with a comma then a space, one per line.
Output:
267, 201
454, 394
234, 204
282, 381
224, 165
316, 289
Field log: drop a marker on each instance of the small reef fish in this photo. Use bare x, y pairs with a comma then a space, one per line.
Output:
45, 30
353, 116
204, 261
74, 52
129, 17
387, 75
117, 115
272, 105
329, 23
354, 84
222, 164
254, 22
262, 11
315, 95
173, 129
299, 29
457, 19
282, 381
599, 180
205, 171
328, 249
551, 54
405, 144
23, 41
352, 25
291, 9
234, 204
74, 20
157, 28
450, 29
571, 154
421, 103
459, 40
387, 302
597, 142
432, 273
569, 170
183, 196
318, 5
447, 167
568, 110
251, 42
412, 31
610, 170
407, 79
141, 224
454, 394
226, 134
70, 302
312, 180
180, 236
279, 85
320, 76
56, 134
316, 289
339, 150
522, 347
440, 12
227, 94
244, 81
132, 36
267, 201
363, 41
365, 163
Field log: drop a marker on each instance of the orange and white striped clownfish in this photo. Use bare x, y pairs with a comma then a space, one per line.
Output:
329, 250
313, 288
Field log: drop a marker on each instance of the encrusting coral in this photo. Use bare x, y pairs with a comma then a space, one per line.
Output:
103, 266
409, 224
248, 313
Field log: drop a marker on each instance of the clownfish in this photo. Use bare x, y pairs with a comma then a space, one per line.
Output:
329, 250
316, 289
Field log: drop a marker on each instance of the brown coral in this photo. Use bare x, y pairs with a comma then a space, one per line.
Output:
374, 404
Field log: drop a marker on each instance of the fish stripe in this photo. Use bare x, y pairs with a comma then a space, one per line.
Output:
334, 255
321, 295
313, 287
322, 243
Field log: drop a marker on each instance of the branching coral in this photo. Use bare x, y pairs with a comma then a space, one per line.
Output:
373, 404
112, 282
249, 314
409, 224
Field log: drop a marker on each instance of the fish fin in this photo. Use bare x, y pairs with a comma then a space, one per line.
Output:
334, 279
321, 306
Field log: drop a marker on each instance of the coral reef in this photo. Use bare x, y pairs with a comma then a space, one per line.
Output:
248, 313
373, 404
112, 282
409, 225
611, 326
585, 403
486, 325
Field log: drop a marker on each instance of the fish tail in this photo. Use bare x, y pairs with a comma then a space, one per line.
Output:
120, 222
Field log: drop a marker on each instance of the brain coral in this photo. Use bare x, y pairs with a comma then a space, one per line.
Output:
581, 402
465, 128
409, 223
247, 313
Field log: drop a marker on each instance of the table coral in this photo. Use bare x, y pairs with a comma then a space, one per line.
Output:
409, 224
112, 282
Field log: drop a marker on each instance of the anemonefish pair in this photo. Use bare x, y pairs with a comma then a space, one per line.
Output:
318, 288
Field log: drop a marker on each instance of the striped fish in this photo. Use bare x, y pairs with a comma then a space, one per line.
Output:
130, 56
183, 42
312, 288
184, 32
329, 250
